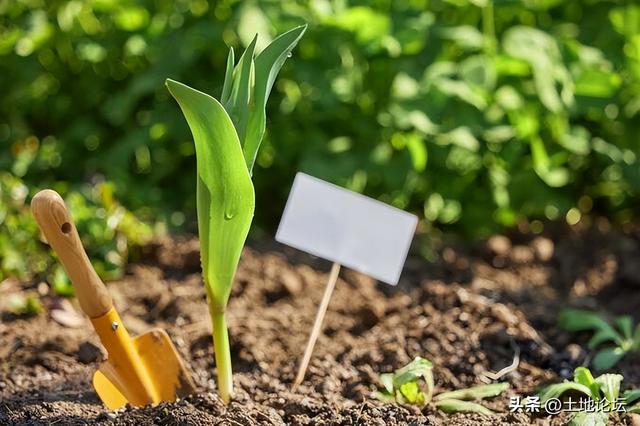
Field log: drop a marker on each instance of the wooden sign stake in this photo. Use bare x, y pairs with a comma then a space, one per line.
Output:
317, 325
348, 229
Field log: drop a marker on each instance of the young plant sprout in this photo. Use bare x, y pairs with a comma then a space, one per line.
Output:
413, 384
621, 334
603, 390
462, 400
227, 135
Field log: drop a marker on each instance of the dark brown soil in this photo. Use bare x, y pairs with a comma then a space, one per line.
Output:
467, 312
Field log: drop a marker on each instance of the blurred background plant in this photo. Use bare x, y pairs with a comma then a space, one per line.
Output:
475, 114
107, 230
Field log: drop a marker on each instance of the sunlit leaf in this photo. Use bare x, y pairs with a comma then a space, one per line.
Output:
581, 320
267, 65
225, 192
476, 392
610, 386
607, 358
584, 418
583, 376
556, 390
631, 396
459, 406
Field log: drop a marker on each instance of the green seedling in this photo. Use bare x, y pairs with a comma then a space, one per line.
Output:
28, 304
621, 333
227, 135
603, 390
413, 385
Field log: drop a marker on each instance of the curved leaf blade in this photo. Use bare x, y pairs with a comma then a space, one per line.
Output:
459, 406
607, 358
476, 392
631, 396
584, 418
583, 376
556, 390
581, 320
267, 66
602, 336
241, 87
225, 195
610, 386
228, 78
625, 325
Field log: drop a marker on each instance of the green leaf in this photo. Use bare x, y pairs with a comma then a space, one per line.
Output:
636, 337
556, 390
540, 50
602, 336
459, 406
553, 176
412, 393
631, 395
577, 140
607, 358
584, 418
228, 78
25, 305
60, 283
580, 320
225, 195
476, 392
267, 65
243, 80
406, 384
384, 397
597, 83
462, 91
583, 376
416, 369
625, 325
462, 137
610, 385
467, 37
387, 382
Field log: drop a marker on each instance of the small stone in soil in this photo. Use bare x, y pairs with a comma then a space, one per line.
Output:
88, 353
499, 245
543, 248
521, 254
575, 352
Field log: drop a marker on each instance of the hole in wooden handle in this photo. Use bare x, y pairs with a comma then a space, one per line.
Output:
65, 227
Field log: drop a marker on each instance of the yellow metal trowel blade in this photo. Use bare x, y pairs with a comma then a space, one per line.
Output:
108, 392
142, 370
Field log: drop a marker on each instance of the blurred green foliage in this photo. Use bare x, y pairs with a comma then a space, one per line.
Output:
476, 114
21, 304
108, 231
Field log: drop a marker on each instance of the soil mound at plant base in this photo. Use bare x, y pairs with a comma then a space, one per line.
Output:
466, 313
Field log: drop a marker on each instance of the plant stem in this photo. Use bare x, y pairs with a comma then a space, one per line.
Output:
488, 27
222, 354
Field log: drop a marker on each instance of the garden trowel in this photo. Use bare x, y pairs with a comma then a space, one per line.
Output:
139, 370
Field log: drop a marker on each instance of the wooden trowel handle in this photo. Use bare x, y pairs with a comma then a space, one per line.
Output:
57, 226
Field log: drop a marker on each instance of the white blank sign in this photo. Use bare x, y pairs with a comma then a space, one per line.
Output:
348, 228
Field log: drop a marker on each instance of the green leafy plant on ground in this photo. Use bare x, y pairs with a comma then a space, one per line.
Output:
604, 390
25, 304
413, 384
621, 334
110, 233
227, 135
